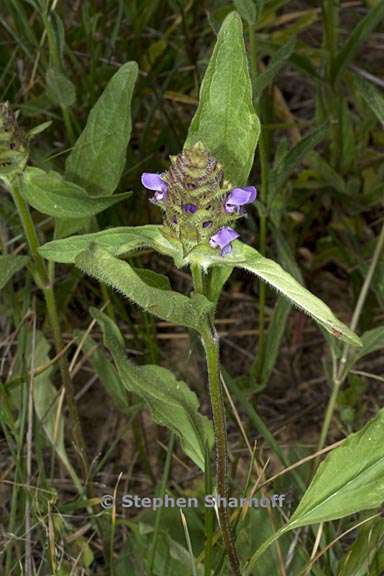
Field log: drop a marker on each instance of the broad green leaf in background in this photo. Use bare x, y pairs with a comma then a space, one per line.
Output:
372, 341
366, 555
50, 194
372, 96
116, 240
166, 304
349, 480
98, 158
225, 121
60, 89
153, 278
46, 399
282, 170
247, 10
171, 402
219, 276
276, 330
358, 36
244, 256
9, 265
278, 60
107, 373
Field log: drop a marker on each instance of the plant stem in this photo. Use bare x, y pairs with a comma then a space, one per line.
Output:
343, 369
211, 347
43, 281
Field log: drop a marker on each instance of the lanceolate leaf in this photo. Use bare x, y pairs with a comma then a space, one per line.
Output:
107, 373
244, 256
60, 89
358, 36
275, 334
350, 479
277, 62
166, 304
247, 10
116, 240
290, 161
171, 402
9, 265
50, 194
372, 96
225, 121
46, 401
98, 158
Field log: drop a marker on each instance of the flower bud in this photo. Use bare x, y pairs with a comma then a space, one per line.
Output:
13, 144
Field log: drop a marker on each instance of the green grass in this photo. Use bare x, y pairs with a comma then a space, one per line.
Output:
319, 171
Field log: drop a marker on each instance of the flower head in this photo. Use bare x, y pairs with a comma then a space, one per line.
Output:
199, 204
13, 144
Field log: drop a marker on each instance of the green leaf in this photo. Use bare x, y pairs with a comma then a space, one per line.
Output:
50, 194
371, 96
247, 10
98, 158
46, 400
9, 265
60, 89
219, 276
358, 36
107, 374
225, 121
36, 130
275, 334
165, 304
277, 62
153, 278
350, 479
365, 556
116, 240
171, 402
244, 256
372, 340
281, 171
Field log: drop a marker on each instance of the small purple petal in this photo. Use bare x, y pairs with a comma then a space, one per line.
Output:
226, 250
153, 181
190, 208
207, 224
239, 197
223, 238
158, 197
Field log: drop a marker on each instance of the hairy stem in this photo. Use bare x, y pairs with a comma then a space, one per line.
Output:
211, 347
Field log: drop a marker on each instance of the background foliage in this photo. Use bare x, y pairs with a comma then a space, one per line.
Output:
315, 69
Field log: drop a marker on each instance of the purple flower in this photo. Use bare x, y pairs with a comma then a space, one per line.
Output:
153, 181
207, 224
190, 208
238, 197
223, 239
